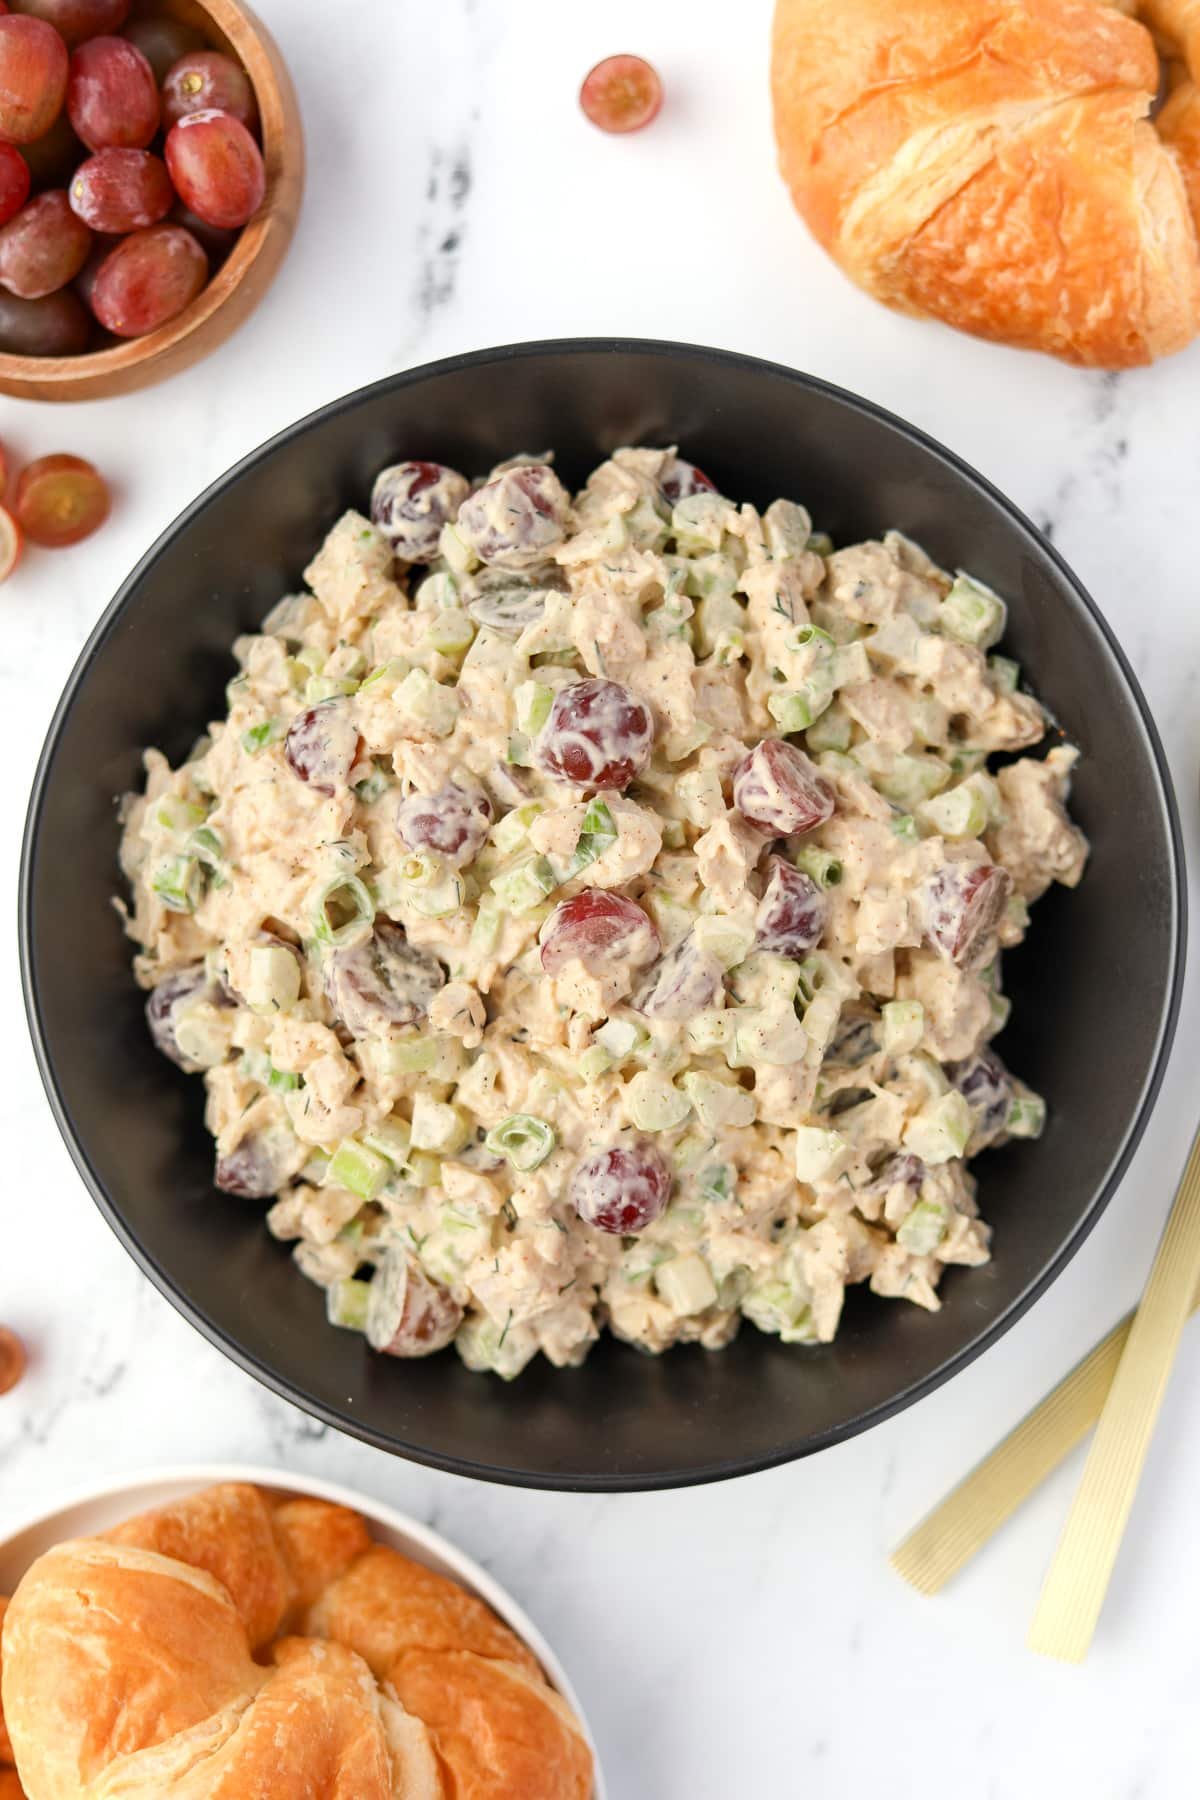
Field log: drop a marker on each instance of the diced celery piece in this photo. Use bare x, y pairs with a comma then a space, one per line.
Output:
532, 701
850, 665
319, 688
346, 1304
821, 544
720, 624
426, 702
450, 631
510, 832
711, 1029
924, 1228
698, 523
259, 736
373, 786
524, 1140
897, 640
674, 834
818, 1152
391, 1138
941, 1130
1001, 1008
787, 529
972, 613
410, 1056
821, 1016
653, 1104
912, 779
771, 1034
179, 883
619, 1037
521, 888
960, 812
455, 551
272, 978
832, 731
486, 929
903, 1026
822, 865
686, 1284
1016, 913
177, 815
384, 679
438, 592
281, 1081
779, 1307
344, 911
1005, 674
354, 1166
1026, 1116
594, 1062
729, 940
436, 1125
717, 1183
718, 1102
698, 792
597, 834
712, 577
795, 709
424, 1170
905, 828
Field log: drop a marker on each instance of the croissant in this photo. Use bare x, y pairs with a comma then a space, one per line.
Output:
232, 1648
993, 164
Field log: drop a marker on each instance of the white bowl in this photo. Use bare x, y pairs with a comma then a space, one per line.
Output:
84, 1513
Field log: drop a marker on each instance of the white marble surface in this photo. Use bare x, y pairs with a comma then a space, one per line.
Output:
746, 1638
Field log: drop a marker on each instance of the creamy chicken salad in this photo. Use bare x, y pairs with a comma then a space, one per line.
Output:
590, 913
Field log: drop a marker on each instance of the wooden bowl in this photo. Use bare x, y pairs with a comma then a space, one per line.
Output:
241, 281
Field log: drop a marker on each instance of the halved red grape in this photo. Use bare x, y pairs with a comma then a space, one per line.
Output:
217, 168
118, 191
680, 479
259, 1166
14, 182
515, 520
75, 20
408, 1314
112, 96
208, 81
681, 983
791, 913
597, 735
511, 600
963, 903
452, 823
33, 78
147, 279
162, 40
384, 982
622, 93
321, 746
598, 929
54, 157
622, 1189
410, 503
60, 500
12, 1359
59, 325
170, 1001
11, 543
778, 789
43, 248
987, 1087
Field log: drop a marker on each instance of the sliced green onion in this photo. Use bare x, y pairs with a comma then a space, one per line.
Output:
905, 827
372, 786
259, 736
344, 910
824, 867
179, 883
1026, 1116
522, 1139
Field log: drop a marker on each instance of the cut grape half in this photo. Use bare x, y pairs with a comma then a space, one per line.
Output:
60, 500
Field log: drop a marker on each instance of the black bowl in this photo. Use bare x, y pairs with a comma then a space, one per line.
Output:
153, 673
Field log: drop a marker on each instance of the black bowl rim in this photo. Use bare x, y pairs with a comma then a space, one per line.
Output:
786, 1451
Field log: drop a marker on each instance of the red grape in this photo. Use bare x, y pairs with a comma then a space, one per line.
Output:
112, 97
33, 78
622, 1189
12, 1359
963, 904
597, 735
55, 156
778, 789
407, 1313
680, 479
516, 519
59, 325
11, 543
14, 182
791, 913
213, 239
986, 1086
410, 503
148, 279
681, 983
170, 1000
511, 600
453, 823
60, 500
384, 982
43, 248
217, 168
598, 929
118, 191
259, 1166
162, 40
321, 746
4, 471
75, 20
622, 93
208, 81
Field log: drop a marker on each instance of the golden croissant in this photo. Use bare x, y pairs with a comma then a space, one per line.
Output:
994, 163
233, 1648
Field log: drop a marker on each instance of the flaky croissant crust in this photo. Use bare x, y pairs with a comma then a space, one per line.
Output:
993, 163
232, 1647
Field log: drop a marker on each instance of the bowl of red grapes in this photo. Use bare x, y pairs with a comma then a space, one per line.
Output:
151, 163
